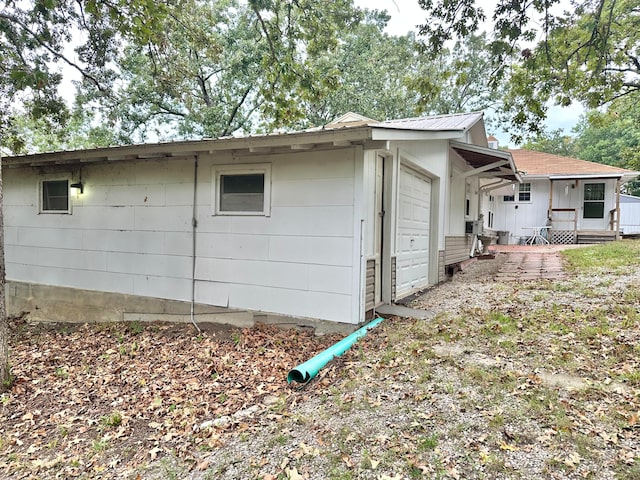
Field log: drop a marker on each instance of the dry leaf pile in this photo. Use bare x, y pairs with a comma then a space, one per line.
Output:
512, 380
101, 400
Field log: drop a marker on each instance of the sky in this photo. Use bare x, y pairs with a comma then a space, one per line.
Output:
407, 14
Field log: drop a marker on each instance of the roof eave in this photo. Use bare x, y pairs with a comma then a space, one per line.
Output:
404, 134
490, 152
337, 137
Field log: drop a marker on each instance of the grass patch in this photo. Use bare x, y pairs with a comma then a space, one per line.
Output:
616, 257
112, 420
428, 443
497, 323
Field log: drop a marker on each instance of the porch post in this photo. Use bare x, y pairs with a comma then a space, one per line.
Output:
618, 186
550, 211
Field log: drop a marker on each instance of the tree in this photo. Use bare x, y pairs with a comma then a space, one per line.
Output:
36, 41
454, 81
589, 54
555, 142
5, 368
216, 68
612, 137
370, 73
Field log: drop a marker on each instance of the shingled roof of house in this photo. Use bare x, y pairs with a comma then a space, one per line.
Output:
543, 164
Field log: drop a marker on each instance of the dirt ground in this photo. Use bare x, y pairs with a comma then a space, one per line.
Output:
535, 379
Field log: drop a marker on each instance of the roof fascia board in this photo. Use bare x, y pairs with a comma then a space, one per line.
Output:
398, 134
586, 176
492, 152
189, 148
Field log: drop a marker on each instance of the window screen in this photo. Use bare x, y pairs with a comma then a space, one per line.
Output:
55, 196
242, 192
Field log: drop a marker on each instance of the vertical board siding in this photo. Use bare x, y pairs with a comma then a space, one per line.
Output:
131, 232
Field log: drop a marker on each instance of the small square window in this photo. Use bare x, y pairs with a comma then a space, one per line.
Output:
54, 196
508, 198
242, 190
524, 192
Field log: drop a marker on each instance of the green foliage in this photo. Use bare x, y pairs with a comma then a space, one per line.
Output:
554, 142
612, 137
112, 420
383, 93
455, 80
36, 40
588, 54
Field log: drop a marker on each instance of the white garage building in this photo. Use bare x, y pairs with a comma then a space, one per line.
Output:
324, 224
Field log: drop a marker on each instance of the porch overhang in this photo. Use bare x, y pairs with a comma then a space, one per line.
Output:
487, 162
623, 177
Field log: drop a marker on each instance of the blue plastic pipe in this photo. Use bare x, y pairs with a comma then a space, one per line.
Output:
309, 369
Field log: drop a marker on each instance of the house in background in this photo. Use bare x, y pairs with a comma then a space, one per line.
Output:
578, 201
326, 224
629, 215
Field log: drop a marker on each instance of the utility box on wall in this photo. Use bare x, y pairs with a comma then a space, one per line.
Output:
473, 227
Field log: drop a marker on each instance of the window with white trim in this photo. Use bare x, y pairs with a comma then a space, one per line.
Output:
524, 192
242, 189
593, 200
54, 196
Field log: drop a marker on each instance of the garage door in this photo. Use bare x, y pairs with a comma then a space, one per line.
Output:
413, 232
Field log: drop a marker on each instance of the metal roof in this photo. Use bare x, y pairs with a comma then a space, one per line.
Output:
436, 123
348, 129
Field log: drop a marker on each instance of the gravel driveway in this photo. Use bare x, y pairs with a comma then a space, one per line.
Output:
521, 379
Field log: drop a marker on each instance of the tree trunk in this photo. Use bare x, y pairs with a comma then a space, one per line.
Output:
5, 373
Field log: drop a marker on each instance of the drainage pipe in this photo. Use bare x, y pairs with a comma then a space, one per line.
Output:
309, 369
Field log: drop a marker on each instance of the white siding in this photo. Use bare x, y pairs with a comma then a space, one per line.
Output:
516, 216
431, 158
302, 252
629, 214
130, 232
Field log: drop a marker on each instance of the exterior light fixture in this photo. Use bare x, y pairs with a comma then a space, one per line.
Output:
77, 188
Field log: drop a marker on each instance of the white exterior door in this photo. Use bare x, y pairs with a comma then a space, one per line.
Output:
595, 215
414, 213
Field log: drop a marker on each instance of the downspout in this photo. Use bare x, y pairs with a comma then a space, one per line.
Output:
194, 225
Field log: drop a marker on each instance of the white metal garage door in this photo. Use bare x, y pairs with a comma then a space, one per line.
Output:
413, 232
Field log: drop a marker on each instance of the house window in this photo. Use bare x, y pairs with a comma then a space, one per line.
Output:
54, 196
508, 198
524, 192
593, 200
242, 190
